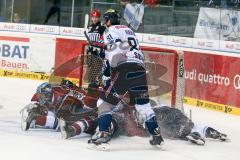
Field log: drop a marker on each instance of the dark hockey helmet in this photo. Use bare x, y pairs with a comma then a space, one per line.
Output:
44, 88
67, 83
113, 16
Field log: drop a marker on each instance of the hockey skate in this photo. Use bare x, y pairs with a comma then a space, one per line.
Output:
100, 137
195, 138
66, 131
156, 139
32, 115
24, 115
214, 134
99, 141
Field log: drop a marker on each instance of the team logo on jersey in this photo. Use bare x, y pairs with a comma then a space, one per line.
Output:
95, 37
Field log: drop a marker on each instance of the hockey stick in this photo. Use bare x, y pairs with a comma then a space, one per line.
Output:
86, 20
111, 85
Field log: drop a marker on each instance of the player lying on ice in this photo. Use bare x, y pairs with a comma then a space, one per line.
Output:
127, 121
175, 125
78, 118
43, 111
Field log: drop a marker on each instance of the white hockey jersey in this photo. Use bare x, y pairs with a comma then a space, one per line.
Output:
123, 46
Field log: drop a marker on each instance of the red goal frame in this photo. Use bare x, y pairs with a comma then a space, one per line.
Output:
175, 66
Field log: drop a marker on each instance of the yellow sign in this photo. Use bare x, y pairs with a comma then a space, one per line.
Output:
34, 76
212, 106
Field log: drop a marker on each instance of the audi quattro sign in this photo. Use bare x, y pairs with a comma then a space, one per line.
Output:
214, 78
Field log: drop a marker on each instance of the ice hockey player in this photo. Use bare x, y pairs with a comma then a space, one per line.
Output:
85, 123
47, 100
128, 75
175, 125
42, 113
74, 125
95, 53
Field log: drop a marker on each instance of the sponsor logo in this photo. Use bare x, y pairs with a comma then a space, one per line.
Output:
179, 41
14, 51
156, 39
9, 26
236, 82
17, 27
13, 65
229, 46
67, 31
232, 46
213, 25
7, 73
212, 106
181, 68
227, 109
205, 44
44, 29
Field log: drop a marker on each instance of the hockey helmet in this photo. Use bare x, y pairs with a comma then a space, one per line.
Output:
113, 16
67, 83
44, 88
95, 13
151, 3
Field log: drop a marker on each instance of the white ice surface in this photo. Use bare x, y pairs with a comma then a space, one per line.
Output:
46, 144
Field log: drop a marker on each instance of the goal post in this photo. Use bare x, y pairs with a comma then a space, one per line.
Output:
167, 75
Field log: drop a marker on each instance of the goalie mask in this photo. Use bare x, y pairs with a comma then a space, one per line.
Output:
113, 16
45, 93
44, 88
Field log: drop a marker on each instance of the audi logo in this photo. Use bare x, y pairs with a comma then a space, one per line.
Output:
49, 29
237, 81
20, 27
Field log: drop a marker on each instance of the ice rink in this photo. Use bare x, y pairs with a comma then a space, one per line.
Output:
16, 144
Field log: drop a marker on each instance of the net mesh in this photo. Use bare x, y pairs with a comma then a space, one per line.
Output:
93, 68
165, 76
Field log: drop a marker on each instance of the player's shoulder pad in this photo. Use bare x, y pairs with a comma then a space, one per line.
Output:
116, 28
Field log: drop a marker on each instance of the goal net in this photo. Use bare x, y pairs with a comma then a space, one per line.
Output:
165, 69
